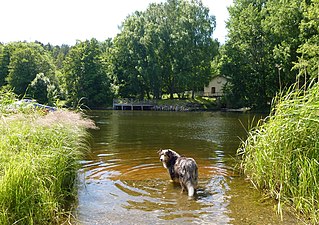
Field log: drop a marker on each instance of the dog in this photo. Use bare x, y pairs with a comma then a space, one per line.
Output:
181, 169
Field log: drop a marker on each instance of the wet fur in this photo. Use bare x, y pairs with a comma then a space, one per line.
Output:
181, 169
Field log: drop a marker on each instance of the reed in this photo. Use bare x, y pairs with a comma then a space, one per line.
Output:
281, 154
39, 159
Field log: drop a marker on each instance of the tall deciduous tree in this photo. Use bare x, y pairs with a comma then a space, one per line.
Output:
5, 57
166, 49
281, 25
85, 76
25, 62
129, 57
246, 52
261, 49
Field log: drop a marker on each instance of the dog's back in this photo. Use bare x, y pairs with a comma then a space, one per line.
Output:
187, 170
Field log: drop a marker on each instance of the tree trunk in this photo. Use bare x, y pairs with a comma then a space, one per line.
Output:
193, 94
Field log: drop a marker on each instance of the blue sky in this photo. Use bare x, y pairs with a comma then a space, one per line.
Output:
65, 21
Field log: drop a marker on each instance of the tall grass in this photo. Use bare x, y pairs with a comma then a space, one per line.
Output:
39, 155
281, 155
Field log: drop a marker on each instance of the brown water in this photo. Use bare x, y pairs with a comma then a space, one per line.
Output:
122, 180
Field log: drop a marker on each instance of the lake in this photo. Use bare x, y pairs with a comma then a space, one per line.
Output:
122, 180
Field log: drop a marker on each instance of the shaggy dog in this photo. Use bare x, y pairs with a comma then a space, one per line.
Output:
181, 169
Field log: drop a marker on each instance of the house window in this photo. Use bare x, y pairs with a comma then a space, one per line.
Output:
213, 90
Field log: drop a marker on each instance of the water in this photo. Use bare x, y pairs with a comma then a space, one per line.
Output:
122, 180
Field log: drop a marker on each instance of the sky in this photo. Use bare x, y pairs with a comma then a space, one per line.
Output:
66, 21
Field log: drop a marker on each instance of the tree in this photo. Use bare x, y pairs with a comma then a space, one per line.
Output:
4, 63
308, 63
261, 49
44, 89
58, 53
246, 52
282, 27
5, 57
166, 49
129, 58
85, 76
26, 61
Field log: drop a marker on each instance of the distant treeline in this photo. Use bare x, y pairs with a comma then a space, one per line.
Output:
168, 49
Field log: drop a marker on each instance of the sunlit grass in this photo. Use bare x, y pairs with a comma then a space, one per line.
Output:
281, 155
201, 102
39, 159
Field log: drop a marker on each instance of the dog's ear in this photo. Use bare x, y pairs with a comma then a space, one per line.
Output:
169, 153
159, 151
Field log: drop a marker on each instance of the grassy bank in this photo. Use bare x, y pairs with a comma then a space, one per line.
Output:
39, 155
189, 104
281, 155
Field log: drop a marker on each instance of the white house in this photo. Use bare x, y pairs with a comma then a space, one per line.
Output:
215, 86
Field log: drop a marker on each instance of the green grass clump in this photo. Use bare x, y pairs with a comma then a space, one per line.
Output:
39, 159
199, 103
281, 155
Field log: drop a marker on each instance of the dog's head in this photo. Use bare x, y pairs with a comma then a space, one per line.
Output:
167, 155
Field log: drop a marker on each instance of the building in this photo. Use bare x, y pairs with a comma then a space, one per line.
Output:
215, 87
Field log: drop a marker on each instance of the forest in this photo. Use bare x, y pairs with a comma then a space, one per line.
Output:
168, 49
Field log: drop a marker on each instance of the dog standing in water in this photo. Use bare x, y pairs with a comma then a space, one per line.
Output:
181, 169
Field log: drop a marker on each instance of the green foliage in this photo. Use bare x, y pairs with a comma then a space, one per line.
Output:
7, 97
245, 62
165, 49
281, 155
20, 67
85, 75
5, 55
26, 61
262, 49
58, 53
308, 63
3, 64
44, 89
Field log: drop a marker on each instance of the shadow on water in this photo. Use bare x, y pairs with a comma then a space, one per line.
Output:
123, 182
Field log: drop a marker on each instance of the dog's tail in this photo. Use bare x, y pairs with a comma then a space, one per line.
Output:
193, 179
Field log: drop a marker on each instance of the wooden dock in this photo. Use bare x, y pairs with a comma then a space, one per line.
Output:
132, 104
